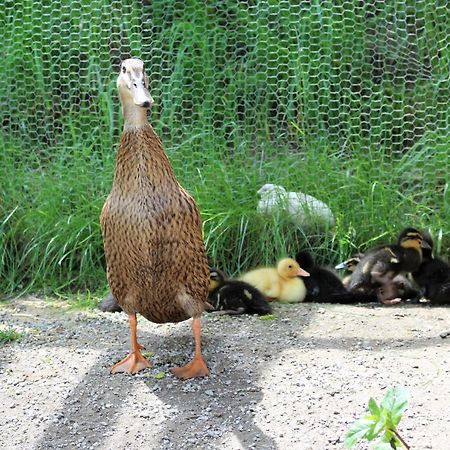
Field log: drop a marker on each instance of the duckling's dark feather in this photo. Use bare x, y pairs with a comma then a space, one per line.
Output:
379, 267
109, 304
323, 285
433, 277
237, 297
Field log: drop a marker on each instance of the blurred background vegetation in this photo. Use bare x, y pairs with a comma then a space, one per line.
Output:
344, 100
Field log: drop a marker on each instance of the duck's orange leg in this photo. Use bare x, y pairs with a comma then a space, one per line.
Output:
197, 367
134, 362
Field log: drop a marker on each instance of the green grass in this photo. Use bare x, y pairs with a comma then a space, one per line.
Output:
9, 335
345, 101
78, 300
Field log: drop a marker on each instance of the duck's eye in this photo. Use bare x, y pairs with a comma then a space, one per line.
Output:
124, 69
290, 266
135, 85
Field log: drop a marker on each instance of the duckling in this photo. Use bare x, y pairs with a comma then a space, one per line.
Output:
380, 265
349, 267
304, 209
280, 283
322, 285
109, 304
400, 286
152, 233
235, 297
433, 276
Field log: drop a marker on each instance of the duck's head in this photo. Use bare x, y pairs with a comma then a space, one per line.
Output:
350, 264
132, 83
216, 278
427, 253
305, 259
290, 268
412, 238
271, 190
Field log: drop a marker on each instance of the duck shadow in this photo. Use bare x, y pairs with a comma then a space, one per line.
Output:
202, 413
210, 409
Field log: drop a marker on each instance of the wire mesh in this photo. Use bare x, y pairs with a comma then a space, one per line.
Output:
344, 100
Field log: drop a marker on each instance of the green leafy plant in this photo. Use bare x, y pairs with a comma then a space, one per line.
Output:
267, 317
381, 424
9, 335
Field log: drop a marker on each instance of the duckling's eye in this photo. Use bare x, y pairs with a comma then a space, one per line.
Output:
135, 85
124, 69
290, 266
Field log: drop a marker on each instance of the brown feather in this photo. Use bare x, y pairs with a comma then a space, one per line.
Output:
151, 229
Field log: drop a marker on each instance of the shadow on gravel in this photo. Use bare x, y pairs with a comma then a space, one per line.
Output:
202, 408
226, 401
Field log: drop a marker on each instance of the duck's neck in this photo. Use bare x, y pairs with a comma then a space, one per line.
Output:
141, 161
133, 116
286, 278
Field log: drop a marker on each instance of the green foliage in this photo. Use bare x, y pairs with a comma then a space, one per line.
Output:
346, 101
267, 317
9, 335
381, 423
159, 375
80, 300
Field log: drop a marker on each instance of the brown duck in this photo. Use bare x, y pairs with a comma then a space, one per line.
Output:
151, 227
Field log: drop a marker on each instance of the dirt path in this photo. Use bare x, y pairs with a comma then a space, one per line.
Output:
297, 382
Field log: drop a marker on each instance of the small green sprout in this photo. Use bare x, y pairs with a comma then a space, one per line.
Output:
159, 376
9, 335
267, 317
381, 423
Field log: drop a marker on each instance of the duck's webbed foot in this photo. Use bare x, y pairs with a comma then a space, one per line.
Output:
133, 363
194, 369
197, 367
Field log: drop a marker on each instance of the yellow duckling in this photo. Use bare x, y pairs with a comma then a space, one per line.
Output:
280, 283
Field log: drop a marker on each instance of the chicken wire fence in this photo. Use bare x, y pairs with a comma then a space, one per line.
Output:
344, 100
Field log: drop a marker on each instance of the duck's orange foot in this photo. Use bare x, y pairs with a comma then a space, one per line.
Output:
133, 363
194, 369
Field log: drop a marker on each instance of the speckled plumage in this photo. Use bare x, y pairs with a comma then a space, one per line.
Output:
151, 229
379, 268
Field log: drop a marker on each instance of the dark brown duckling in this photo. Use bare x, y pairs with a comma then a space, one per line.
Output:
109, 304
401, 286
433, 276
152, 232
379, 266
323, 285
235, 297
349, 266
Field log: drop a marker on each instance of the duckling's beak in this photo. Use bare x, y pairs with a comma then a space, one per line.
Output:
426, 245
302, 273
341, 265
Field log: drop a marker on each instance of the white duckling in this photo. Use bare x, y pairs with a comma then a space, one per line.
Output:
304, 209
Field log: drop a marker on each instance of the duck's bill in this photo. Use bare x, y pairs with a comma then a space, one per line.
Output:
302, 273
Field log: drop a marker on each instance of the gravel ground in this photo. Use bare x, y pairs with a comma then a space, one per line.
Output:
296, 382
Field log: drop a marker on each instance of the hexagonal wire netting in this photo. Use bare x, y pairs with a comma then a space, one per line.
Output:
347, 101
